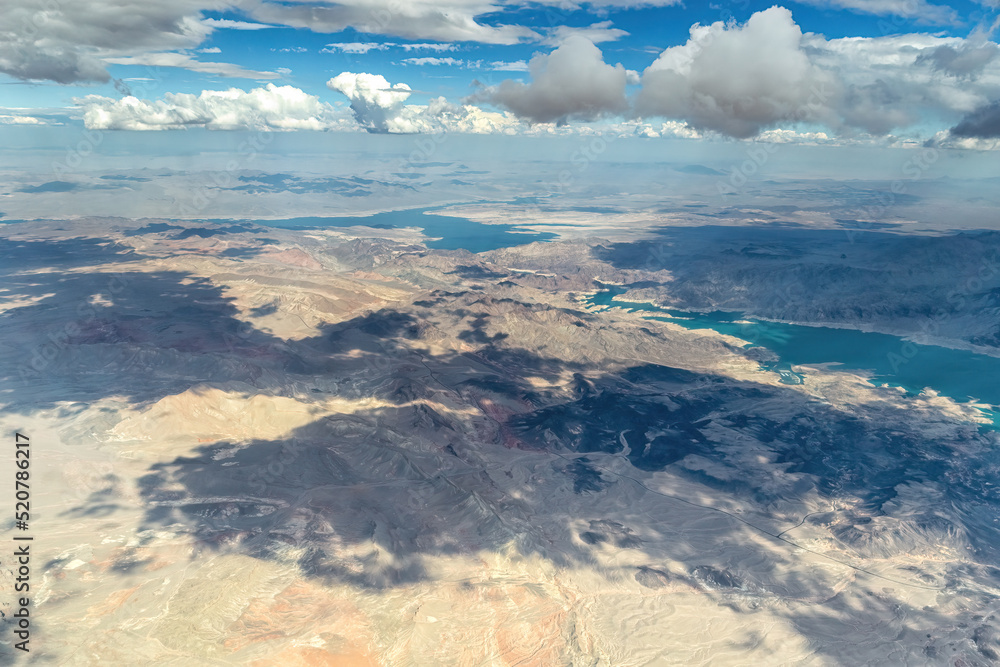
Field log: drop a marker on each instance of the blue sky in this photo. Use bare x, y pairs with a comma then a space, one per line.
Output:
901, 70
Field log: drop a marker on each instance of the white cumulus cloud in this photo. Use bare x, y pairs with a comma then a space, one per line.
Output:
16, 119
374, 100
572, 82
442, 116
737, 80
891, 82
379, 107
740, 80
268, 108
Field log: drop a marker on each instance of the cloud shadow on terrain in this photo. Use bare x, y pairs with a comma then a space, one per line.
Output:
364, 498
823, 275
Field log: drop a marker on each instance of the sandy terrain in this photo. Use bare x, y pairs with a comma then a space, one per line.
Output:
270, 447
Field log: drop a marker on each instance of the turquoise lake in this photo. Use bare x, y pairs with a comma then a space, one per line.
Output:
452, 233
891, 360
